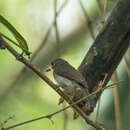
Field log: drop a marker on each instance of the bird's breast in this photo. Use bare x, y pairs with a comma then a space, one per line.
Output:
69, 86
63, 81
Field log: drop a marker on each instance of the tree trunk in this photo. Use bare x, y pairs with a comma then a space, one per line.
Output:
109, 47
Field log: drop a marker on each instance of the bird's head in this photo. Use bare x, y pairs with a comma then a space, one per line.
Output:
58, 65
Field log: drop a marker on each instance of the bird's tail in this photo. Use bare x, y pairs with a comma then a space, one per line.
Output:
91, 100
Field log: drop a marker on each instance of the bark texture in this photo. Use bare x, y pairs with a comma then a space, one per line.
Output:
109, 47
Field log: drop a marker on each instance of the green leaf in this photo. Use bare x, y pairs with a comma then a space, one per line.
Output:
22, 42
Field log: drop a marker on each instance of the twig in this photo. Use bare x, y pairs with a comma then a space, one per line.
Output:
88, 21
102, 10
117, 103
36, 119
48, 32
56, 29
34, 55
113, 84
100, 6
50, 83
16, 44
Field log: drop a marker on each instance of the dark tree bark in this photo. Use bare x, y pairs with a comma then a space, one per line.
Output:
109, 47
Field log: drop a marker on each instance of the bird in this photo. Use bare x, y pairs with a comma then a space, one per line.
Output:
71, 81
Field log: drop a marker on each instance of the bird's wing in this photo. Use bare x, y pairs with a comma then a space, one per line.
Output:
76, 76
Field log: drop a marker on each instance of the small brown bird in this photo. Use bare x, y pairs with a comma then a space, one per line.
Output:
72, 81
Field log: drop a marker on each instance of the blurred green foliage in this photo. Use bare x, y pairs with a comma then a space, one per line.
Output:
31, 97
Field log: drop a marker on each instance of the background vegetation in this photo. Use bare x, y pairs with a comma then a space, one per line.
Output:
30, 97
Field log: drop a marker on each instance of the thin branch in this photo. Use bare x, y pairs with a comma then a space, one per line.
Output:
102, 10
36, 119
48, 32
62, 6
51, 84
88, 21
34, 55
100, 6
56, 29
117, 103
16, 44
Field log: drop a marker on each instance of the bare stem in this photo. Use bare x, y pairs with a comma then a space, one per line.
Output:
88, 21
102, 10
36, 119
117, 103
56, 29
16, 44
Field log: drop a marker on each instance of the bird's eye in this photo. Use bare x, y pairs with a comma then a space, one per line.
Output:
52, 63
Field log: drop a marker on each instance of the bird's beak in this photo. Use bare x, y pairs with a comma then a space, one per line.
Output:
49, 69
